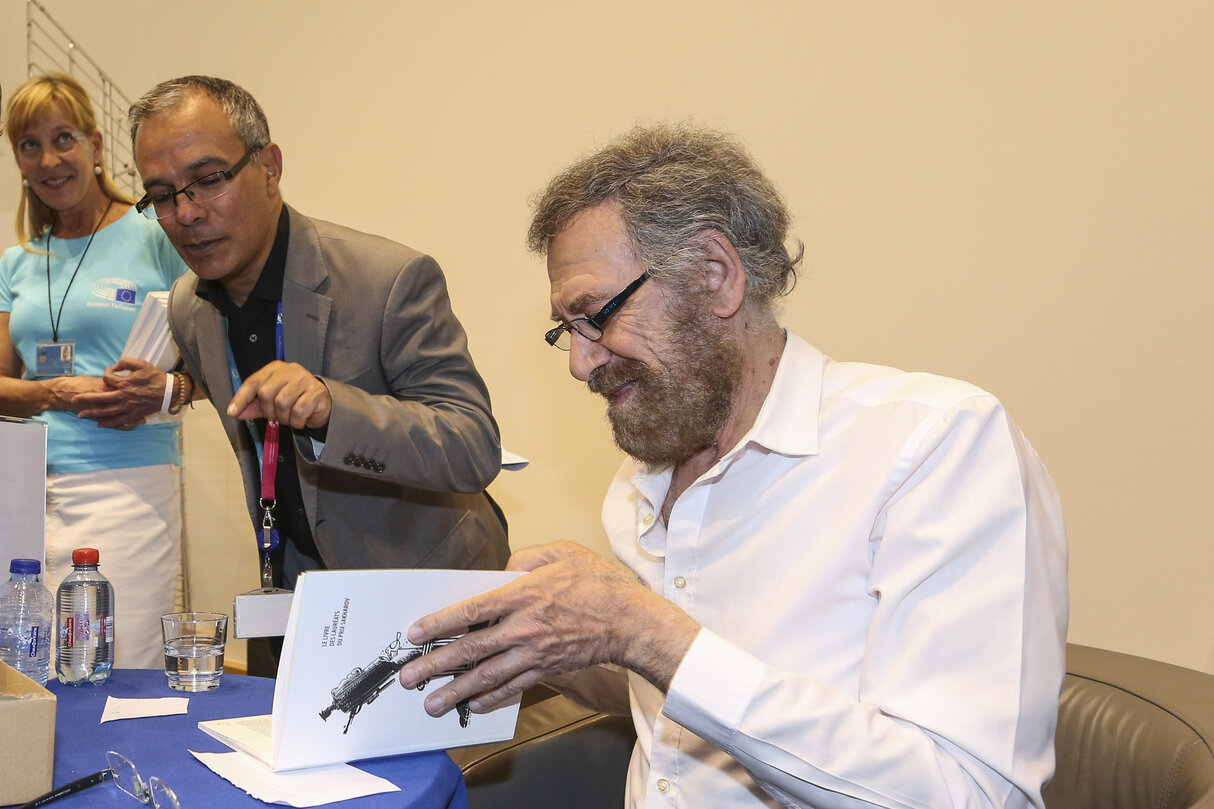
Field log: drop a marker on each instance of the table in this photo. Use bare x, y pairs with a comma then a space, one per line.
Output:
160, 746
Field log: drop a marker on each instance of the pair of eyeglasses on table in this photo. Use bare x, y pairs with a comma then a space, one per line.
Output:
152, 792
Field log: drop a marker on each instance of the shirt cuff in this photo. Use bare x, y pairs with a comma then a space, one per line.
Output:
316, 437
318, 434
713, 688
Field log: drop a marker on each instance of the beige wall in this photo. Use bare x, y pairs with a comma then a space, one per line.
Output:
1016, 194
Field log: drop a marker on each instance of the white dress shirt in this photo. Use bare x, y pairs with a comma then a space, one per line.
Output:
879, 568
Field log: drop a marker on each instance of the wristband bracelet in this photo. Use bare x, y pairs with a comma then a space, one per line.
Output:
182, 396
168, 393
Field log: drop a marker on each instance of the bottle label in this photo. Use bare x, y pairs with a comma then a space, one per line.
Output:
33, 648
76, 629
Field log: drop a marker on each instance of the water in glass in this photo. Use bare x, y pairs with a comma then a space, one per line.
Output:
193, 663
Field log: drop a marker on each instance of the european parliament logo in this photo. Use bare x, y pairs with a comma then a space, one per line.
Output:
116, 292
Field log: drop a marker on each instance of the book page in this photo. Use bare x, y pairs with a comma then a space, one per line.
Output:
249, 734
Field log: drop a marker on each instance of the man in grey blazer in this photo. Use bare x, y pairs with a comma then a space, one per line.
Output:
346, 340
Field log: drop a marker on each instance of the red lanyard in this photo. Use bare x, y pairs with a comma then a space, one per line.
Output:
267, 539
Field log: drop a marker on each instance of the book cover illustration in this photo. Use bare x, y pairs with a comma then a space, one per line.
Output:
362, 685
344, 645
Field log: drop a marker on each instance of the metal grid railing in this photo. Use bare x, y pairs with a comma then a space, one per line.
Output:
49, 47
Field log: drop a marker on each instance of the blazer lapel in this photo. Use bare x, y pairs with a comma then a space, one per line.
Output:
305, 314
213, 354
305, 311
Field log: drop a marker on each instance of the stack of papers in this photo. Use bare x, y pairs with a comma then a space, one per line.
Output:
150, 339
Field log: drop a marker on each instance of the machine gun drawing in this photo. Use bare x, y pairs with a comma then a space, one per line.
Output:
361, 686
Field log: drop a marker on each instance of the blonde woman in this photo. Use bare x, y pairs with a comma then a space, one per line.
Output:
69, 293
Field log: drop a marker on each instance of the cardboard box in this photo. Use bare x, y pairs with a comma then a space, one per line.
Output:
27, 737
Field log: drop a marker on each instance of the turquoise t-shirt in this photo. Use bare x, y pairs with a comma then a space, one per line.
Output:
127, 260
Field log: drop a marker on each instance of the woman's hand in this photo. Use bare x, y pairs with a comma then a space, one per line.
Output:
63, 390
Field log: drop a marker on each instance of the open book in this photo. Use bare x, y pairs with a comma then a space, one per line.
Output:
337, 698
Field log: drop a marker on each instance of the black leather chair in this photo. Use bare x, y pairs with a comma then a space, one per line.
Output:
562, 755
1133, 733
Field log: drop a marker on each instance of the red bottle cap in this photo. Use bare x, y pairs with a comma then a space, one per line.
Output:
85, 556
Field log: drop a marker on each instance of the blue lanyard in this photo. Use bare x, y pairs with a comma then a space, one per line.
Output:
237, 381
268, 538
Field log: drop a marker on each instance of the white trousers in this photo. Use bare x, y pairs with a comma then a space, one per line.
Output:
133, 518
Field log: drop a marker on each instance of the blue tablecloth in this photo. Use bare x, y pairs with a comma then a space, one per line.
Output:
160, 746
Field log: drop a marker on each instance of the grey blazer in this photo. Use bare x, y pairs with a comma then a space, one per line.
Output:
411, 442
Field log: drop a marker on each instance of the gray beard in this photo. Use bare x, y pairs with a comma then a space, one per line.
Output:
674, 411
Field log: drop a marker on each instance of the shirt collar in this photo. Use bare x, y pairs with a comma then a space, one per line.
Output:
787, 423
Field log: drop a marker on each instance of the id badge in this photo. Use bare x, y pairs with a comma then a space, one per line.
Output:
56, 359
261, 613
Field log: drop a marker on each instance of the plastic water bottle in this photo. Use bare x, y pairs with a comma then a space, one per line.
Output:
25, 621
84, 618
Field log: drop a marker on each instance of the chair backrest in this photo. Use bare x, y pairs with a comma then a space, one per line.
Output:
1132, 733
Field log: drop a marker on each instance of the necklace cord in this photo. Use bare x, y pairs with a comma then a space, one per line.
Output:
49, 306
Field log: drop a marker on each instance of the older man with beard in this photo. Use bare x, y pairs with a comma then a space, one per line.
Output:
842, 585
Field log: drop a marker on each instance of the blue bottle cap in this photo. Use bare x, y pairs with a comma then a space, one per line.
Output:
25, 566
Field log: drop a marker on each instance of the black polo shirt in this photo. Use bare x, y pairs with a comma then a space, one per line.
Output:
251, 337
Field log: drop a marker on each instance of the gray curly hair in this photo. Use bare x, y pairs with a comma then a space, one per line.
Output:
670, 183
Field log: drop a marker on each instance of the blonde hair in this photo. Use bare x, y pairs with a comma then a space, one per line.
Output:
32, 101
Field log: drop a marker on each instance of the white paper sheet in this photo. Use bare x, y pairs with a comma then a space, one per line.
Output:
311, 787
513, 462
120, 708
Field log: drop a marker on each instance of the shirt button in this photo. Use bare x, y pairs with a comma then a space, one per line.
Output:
680, 582
252, 338
647, 519
663, 785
